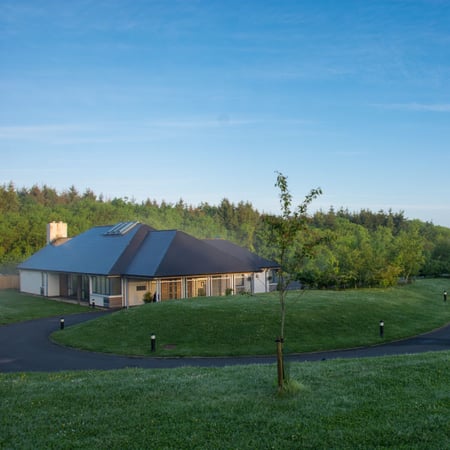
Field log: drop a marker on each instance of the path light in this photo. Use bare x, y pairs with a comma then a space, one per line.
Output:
93, 304
153, 342
61, 324
381, 328
445, 296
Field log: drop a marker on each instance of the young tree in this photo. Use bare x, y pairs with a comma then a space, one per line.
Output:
285, 231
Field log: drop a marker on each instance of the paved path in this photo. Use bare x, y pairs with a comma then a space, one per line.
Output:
26, 347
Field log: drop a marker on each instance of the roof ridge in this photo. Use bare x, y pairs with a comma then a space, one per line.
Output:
167, 249
130, 250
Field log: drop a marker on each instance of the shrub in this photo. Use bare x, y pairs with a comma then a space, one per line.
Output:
148, 297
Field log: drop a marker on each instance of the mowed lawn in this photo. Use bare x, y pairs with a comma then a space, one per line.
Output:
244, 325
380, 403
400, 402
17, 307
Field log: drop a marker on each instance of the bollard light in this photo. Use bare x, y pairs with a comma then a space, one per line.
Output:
381, 328
153, 342
61, 324
445, 296
93, 304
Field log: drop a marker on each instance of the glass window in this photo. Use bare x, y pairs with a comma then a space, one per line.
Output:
171, 289
106, 286
239, 283
115, 286
196, 287
220, 285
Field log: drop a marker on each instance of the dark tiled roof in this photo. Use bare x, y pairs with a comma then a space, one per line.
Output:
190, 256
150, 255
242, 253
144, 252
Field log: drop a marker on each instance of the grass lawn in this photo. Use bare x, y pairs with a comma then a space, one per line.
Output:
17, 307
238, 325
382, 403
398, 402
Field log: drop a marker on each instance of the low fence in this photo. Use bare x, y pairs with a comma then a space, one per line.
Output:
9, 281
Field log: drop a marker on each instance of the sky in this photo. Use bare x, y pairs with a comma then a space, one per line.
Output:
202, 100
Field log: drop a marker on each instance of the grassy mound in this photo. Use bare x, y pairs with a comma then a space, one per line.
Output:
243, 325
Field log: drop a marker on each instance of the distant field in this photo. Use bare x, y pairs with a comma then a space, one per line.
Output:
17, 307
380, 403
243, 325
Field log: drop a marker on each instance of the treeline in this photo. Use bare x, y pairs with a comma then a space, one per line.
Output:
350, 248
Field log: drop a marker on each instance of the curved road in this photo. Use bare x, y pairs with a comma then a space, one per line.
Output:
26, 347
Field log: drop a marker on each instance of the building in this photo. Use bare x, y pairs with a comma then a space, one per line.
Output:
115, 266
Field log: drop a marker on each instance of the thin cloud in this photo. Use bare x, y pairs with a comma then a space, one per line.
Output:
27, 132
120, 131
349, 153
223, 120
200, 123
109, 132
424, 107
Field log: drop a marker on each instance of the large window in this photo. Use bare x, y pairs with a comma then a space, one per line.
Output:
242, 283
273, 280
170, 289
220, 285
77, 286
106, 286
196, 287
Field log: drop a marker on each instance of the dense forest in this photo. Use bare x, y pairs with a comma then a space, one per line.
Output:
350, 249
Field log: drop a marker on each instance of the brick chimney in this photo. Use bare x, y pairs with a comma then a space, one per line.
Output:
56, 230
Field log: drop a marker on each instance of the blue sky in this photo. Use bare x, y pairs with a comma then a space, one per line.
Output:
205, 100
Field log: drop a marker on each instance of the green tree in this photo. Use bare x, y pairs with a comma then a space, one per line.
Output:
409, 247
384, 270
9, 201
285, 230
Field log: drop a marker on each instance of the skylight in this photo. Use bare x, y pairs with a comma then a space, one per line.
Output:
121, 228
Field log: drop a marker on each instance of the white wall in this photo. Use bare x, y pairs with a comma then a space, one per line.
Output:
97, 298
52, 285
259, 282
30, 281
39, 283
136, 297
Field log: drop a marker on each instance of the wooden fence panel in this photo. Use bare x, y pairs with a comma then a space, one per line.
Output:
9, 281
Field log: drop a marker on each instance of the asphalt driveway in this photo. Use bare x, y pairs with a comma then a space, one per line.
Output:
26, 347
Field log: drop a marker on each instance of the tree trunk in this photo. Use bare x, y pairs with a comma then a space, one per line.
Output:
280, 363
283, 315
